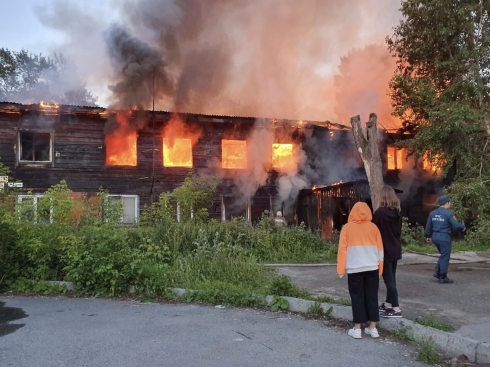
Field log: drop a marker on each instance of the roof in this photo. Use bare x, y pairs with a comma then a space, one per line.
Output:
54, 109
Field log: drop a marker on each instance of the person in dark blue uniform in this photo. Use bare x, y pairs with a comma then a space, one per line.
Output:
440, 225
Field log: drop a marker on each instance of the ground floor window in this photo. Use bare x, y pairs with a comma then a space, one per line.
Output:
130, 206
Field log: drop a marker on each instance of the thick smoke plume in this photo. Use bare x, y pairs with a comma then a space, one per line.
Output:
265, 58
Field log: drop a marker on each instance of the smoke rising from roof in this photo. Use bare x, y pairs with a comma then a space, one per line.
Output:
268, 58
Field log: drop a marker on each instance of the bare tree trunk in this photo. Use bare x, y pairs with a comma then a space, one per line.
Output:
369, 151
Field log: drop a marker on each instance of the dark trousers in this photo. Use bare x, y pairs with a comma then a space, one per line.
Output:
444, 246
389, 276
363, 290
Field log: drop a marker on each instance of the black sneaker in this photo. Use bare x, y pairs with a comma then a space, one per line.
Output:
436, 275
391, 313
445, 281
382, 308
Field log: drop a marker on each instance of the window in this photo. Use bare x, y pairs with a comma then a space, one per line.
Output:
35, 147
394, 158
130, 206
177, 152
234, 154
27, 208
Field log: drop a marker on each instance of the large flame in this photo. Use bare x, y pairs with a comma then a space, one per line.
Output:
121, 150
282, 156
121, 144
177, 153
234, 154
178, 140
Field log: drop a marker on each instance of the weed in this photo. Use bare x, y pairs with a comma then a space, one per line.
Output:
403, 333
427, 352
316, 311
327, 299
279, 303
433, 323
282, 286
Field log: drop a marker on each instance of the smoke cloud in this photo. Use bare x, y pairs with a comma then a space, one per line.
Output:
266, 58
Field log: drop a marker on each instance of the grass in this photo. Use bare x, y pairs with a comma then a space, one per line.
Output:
433, 323
427, 352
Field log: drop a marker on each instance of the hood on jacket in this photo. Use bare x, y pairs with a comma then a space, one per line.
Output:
360, 213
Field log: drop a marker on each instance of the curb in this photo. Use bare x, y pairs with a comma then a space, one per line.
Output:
452, 344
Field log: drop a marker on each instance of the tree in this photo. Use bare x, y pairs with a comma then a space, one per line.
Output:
368, 149
30, 78
441, 88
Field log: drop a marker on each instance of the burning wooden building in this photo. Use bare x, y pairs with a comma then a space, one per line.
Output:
262, 164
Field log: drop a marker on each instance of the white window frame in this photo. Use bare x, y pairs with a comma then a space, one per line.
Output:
136, 206
19, 144
35, 198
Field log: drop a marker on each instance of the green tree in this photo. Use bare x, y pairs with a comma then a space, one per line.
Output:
30, 78
441, 91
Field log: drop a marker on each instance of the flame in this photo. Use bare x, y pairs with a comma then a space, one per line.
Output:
282, 156
178, 154
48, 105
234, 154
121, 144
178, 140
431, 164
394, 158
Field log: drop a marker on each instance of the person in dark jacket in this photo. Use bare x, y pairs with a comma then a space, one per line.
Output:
389, 221
438, 230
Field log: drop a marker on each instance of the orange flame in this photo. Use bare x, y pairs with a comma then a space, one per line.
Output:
394, 157
282, 156
178, 154
48, 105
177, 142
234, 154
429, 164
121, 144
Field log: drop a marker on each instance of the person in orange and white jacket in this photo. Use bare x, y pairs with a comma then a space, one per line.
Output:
360, 255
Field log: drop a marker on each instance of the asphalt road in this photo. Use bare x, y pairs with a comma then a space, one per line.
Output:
59, 332
465, 305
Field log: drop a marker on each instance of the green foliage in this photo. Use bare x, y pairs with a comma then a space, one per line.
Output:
279, 303
282, 286
412, 235
195, 196
316, 311
427, 352
433, 323
160, 212
28, 78
28, 286
441, 89
223, 293
471, 203
403, 333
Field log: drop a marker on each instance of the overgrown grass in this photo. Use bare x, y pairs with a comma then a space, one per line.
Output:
427, 352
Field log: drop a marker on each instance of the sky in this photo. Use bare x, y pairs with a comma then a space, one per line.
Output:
269, 58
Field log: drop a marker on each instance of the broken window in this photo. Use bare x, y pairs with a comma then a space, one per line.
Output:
177, 153
35, 146
234, 154
394, 158
282, 156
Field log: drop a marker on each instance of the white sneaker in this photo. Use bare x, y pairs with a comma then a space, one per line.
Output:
373, 332
355, 333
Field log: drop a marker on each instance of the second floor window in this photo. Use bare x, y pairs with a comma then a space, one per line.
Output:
35, 146
394, 158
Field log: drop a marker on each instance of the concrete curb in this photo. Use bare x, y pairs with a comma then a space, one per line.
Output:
452, 344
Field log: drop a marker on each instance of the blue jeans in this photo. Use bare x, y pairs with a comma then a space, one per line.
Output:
444, 246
